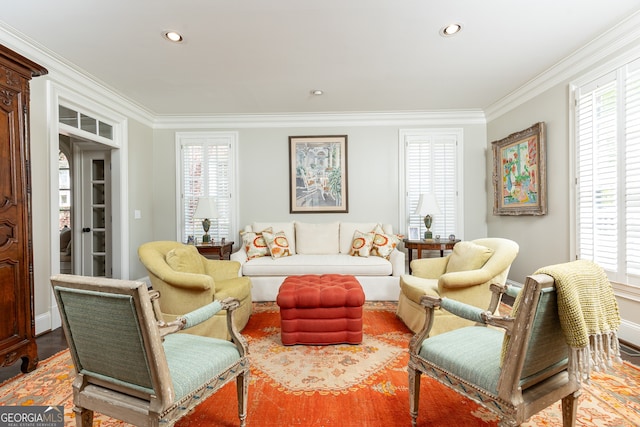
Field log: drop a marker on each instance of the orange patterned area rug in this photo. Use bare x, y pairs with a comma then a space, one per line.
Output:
341, 385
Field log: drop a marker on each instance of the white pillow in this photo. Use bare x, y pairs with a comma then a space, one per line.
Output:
317, 239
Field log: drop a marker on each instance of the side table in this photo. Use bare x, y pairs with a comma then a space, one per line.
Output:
428, 245
216, 250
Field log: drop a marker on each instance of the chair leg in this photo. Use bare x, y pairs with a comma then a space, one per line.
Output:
242, 388
84, 417
570, 409
414, 394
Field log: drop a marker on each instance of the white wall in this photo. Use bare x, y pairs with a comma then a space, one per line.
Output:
546, 240
373, 175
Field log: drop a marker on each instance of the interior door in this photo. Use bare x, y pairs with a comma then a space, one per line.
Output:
95, 206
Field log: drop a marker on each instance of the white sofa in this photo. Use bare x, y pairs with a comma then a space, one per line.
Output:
322, 248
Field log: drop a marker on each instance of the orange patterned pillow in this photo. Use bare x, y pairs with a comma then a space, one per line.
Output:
361, 244
278, 244
383, 244
254, 243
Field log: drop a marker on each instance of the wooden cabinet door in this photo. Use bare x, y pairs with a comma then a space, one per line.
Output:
16, 260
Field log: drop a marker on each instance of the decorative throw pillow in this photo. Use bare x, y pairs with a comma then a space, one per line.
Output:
185, 259
278, 244
383, 244
254, 243
361, 244
468, 256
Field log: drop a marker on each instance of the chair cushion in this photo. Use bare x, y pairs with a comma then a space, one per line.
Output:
468, 256
471, 353
185, 259
192, 363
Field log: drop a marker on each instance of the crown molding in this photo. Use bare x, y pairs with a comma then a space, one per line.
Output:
622, 36
69, 75
336, 119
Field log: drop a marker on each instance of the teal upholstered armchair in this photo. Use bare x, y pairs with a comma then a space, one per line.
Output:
132, 367
530, 375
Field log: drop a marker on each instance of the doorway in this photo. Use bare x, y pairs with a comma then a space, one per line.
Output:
85, 207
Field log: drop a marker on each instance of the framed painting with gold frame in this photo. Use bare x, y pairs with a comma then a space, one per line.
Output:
520, 175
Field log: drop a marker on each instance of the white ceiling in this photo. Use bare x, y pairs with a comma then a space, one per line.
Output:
265, 56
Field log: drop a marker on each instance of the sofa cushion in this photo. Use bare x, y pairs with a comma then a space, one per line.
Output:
468, 256
317, 264
287, 227
185, 259
361, 244
254, 244
383, 243
347, 229
317, 239
278, 244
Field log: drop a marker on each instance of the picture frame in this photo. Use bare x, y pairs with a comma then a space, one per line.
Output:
318, 174
520, 173
414, 233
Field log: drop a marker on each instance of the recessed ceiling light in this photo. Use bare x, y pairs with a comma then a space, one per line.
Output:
173, 36
317, 92
450, 30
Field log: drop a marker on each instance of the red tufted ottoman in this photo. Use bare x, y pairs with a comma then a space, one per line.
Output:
320, 309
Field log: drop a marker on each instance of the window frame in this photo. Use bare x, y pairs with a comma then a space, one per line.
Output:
229, 138
409, 201
612, 71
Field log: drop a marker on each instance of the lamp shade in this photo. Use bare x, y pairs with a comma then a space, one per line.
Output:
206, 208
427, 205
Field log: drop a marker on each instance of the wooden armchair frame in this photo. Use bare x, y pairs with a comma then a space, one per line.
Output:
136, 368
516, 397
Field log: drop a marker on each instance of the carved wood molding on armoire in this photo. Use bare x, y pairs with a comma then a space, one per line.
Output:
17, 325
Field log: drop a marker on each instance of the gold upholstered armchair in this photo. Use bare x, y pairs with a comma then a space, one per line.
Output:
132, 366
563, 324
188, 281
464, 275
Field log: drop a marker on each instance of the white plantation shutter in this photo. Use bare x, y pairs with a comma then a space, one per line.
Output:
431, 167
632, 167
206, 170
608, 173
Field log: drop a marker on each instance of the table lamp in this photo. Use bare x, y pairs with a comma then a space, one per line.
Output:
428, 207
206, 210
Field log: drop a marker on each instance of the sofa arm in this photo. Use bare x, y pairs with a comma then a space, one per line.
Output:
396, 258
240, 256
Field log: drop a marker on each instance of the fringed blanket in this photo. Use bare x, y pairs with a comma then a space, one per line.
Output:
588, 313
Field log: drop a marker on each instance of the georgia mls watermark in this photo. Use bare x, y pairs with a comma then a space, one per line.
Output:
31, 416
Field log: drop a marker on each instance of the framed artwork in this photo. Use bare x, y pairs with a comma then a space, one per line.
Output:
520, 173
318, 174
414, 233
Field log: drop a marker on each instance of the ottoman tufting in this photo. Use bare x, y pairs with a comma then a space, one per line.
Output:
320, 309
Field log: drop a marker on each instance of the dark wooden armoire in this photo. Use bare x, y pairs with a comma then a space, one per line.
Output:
17, 328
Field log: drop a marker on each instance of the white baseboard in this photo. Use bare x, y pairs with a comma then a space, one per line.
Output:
630, 332
43, 323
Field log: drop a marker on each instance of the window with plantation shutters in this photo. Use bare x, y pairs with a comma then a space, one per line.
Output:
607, 118
431, 166
206, 170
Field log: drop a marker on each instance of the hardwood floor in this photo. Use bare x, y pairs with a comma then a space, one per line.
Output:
54, 342
48, 343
